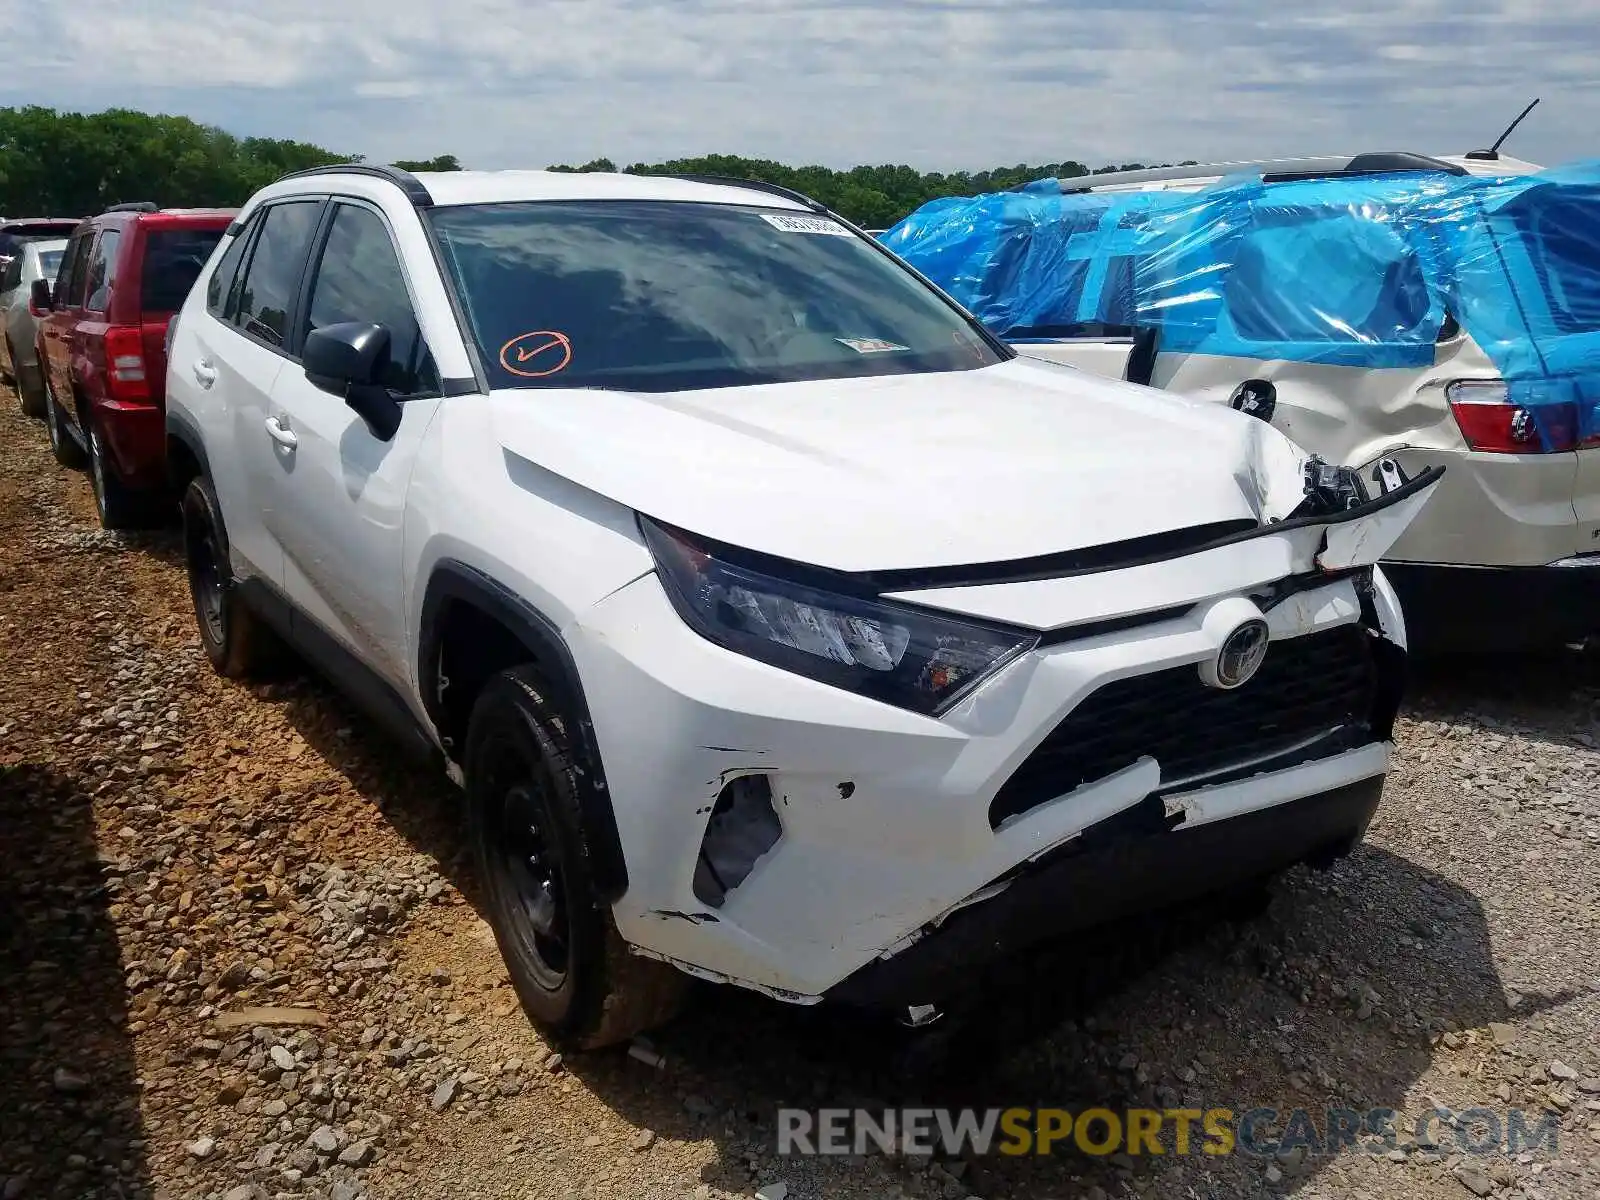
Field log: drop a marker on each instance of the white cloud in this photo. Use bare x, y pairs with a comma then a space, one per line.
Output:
936, 83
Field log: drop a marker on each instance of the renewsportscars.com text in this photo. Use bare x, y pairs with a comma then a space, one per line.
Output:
1157, 1131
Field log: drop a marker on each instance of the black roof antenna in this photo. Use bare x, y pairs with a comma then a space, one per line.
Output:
1493, 152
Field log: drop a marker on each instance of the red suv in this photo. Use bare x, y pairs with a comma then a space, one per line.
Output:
102, 347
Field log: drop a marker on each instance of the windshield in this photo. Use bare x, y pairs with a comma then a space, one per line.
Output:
665, 296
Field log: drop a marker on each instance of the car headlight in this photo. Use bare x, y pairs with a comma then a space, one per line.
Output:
891, 652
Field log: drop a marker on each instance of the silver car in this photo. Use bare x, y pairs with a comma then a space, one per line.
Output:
19, 361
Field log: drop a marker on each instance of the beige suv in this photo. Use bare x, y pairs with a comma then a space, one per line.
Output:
1432, 311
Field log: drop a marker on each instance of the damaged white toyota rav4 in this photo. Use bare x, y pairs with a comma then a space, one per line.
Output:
783, 628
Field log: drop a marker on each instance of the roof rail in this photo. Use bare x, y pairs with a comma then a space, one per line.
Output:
1381, 163
138, 206
404, 180
756, 185
1272, 170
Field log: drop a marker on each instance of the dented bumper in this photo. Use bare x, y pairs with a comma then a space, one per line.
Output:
1121, 867
889, 828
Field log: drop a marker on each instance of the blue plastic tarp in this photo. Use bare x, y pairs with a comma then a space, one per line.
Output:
1352, 271
1341, 272
1525, 282
1027, 263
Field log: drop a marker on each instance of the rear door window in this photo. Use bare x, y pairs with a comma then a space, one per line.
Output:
272, 278
173, 260
1335, 278
221, 292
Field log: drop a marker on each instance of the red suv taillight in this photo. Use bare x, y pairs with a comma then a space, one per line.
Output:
1492, 422
125, 373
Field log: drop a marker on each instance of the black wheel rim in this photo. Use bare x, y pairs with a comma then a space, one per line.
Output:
205, 579
529, 861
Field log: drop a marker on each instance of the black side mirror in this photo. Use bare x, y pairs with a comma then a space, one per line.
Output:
1255, 398
349, 360
1141, 364
39, 297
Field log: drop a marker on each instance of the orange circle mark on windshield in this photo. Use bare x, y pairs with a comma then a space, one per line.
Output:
537, 354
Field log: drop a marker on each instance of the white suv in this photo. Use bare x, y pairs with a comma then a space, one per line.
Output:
780, 624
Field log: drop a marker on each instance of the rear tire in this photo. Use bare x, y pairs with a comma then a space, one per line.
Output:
65, 450
238, 643
569, 966
30, 391
119, 506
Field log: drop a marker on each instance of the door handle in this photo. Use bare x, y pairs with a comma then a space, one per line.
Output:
283, 436
204, 373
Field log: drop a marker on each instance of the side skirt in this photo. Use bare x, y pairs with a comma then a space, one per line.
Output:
368, 690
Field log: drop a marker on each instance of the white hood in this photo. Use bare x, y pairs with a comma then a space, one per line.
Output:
1012, 461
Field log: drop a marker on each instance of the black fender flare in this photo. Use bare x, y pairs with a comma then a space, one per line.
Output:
180, 428
455, 581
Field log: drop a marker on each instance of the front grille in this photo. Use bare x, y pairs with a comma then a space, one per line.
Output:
1306, 687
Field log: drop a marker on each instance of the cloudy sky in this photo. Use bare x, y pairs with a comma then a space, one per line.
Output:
941, 84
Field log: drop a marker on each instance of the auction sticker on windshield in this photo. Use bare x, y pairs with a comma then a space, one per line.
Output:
870, 345
793, 223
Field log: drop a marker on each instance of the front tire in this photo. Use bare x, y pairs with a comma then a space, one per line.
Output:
569, 966
238, 643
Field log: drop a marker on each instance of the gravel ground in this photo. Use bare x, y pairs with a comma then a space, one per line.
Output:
240, 956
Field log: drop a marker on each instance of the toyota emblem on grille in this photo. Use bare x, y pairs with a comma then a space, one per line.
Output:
1240, 658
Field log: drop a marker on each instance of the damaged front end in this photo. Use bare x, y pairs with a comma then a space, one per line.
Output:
1173, 772
1149, 721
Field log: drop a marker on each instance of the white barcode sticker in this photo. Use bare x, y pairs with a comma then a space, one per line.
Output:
795, 223
871, 345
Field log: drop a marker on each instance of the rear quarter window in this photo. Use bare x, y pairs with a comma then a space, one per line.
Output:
1560, 228
173, 260
103, 271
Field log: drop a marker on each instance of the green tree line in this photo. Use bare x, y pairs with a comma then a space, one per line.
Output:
71, 164
872, 197
66, 164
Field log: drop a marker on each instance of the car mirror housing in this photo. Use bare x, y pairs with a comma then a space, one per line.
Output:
40, 300
349, 360
349, 353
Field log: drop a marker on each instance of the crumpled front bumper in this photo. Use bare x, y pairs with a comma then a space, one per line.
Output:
885, 815
1128, 864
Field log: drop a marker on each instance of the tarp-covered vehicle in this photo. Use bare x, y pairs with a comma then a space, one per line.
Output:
1436, 312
